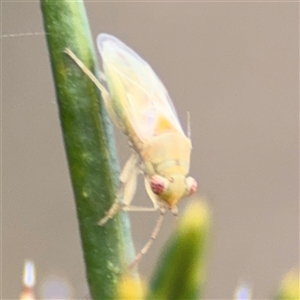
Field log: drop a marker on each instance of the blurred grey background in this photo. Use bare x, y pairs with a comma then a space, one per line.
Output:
235, 67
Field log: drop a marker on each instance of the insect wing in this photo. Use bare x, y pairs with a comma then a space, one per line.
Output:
147, 103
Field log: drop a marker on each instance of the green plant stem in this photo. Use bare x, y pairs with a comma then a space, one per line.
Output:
89, 146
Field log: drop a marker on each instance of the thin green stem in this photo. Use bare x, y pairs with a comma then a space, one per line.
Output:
89, 146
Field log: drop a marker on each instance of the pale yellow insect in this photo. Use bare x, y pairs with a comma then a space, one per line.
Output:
140, 106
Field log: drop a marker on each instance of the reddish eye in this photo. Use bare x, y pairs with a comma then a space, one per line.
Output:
157, 184
191, 185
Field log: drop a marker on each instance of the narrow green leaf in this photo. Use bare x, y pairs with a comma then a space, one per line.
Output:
180, 270
89, 146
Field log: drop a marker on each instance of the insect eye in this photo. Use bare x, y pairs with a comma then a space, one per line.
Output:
158, 184
191, 185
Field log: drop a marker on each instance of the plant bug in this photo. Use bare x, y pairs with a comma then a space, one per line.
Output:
139, 105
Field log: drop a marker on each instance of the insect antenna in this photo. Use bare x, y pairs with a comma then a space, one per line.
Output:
188, 114
151, 240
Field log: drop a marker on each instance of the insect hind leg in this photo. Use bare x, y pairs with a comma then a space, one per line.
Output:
81, 65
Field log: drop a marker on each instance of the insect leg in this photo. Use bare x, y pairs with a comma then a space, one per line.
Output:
100, 86
140, 208
129, 183
152, 238
130, 187
174, 211
128, 179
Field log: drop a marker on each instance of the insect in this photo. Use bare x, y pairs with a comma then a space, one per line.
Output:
139, 105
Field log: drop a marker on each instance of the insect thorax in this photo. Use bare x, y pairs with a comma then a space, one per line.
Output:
167, 154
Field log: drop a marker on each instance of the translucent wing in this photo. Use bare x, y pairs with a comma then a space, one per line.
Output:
147, 103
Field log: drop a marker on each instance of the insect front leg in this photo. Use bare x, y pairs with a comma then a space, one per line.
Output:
153, 236
128, 180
